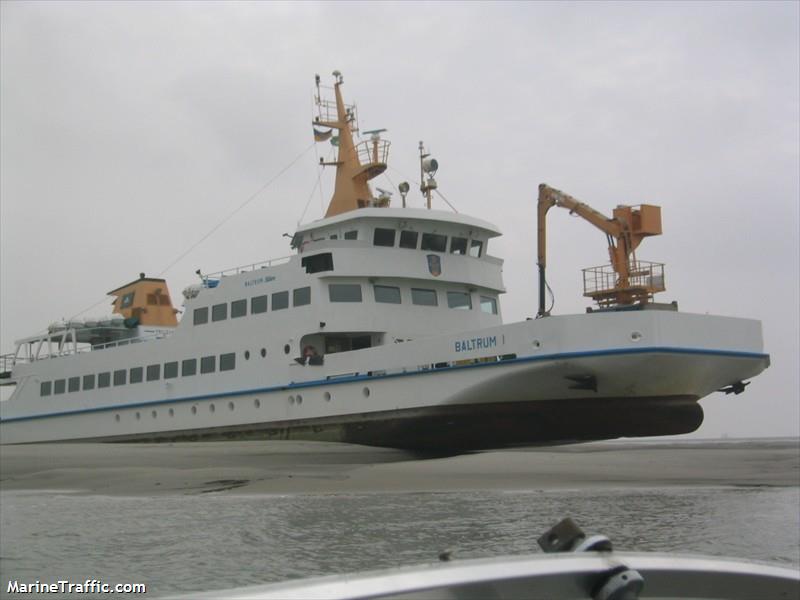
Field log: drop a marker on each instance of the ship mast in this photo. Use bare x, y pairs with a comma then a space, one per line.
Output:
356, 163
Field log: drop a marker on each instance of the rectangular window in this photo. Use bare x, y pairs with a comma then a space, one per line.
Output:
238, 309
227, 362
201, 315
104, 379
219, 312
208, 364
88, 382
120, 377
152, 300
317, 263
74, 384
153, 372
344, 292
45, 388
59, 385
458, 245
489, 305
171, 370
280, 300
475, 248
136, 375
408, 239
424, 297
351, 235
387, 293
189, 367
301, 296
459, 300
258, 304
383, 237
434, 242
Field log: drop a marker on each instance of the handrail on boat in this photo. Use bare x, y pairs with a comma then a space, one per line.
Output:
46, 342
246, 268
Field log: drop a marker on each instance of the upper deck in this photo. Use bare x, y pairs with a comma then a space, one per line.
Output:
409, 218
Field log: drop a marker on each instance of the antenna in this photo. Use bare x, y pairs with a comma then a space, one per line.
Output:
427, 166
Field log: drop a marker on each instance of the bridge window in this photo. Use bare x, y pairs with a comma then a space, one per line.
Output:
227, 362
45, 388
59, 385
351, 235
408, 239
459, 300
318, 262
423, 297
458, 245
383, 237
280, 300
258, 304
344, 292
153, 372
127, 300
120, 377
88, 382
135, 376
489, 305
74, 384
475, 248
238, 309
189, 367
219, 312
201, 315
301, 296
208, 364
387, 293
433, 242
104, 379
171, 370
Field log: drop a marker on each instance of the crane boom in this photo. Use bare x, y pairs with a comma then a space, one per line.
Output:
627, 281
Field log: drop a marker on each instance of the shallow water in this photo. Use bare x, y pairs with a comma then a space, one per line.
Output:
186, 543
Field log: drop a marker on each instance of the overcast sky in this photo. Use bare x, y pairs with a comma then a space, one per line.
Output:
130, 130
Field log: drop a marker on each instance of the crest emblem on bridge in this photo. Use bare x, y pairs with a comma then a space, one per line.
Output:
435, 264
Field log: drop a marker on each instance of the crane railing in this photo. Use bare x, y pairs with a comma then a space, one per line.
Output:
603, 285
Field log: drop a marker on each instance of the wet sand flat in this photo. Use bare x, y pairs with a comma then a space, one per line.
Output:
308, 467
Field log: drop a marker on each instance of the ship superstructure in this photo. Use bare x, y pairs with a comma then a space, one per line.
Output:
383, 327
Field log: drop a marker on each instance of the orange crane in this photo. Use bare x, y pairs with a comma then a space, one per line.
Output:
624, 282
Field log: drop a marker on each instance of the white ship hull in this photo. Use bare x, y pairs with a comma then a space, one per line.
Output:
438, 393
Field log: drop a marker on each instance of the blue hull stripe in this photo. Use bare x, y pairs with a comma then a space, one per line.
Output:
352, 378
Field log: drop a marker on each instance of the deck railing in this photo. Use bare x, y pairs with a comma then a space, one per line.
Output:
246, 268
645, 276
373, 151
42, 348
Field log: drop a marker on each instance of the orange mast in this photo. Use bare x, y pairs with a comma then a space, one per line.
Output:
351, 191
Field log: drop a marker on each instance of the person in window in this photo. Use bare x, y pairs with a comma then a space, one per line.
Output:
311, 356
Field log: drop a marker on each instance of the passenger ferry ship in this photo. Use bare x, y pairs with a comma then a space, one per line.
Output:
383, 328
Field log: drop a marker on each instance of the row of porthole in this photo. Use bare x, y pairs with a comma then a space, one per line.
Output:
171, 412
286, 350
247, 353
298, 399
231, 406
